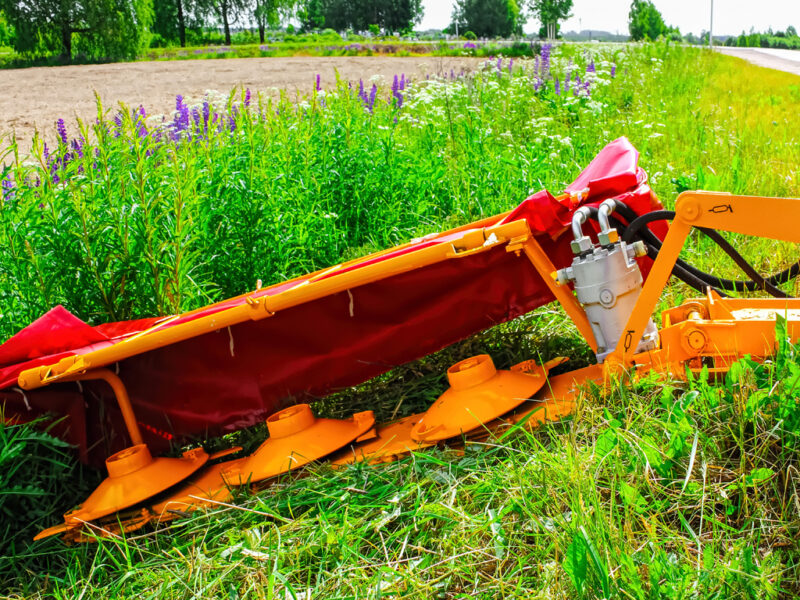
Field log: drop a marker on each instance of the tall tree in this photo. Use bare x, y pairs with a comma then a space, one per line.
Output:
488, 18
550, 13
107, 28
389, 15
269, 12
644, 21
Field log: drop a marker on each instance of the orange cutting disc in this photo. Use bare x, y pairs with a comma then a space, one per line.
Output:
297, 438
478, 393
133, 476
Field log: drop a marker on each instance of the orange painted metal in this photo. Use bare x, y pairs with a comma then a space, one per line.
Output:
296, 438
260, 307
737, 214
478, 393
133, 476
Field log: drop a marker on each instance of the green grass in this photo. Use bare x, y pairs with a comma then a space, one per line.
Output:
653, 489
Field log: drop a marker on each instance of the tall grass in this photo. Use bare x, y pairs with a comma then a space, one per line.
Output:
655, 489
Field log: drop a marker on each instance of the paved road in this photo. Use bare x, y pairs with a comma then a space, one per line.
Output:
781, 60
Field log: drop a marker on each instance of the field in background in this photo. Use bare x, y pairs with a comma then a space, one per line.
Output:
652, 490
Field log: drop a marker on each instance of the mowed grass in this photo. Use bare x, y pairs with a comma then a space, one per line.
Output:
652, 489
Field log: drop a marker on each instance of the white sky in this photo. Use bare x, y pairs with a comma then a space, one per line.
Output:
731, 17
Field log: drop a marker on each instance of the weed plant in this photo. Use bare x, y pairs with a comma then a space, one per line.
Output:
655, 489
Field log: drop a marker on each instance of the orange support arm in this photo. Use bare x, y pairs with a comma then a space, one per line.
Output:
748, 215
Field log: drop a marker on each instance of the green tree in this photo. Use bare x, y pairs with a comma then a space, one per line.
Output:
488, 18
268, 13
6, 31
550, 13
106, 28
389, 15
645, 22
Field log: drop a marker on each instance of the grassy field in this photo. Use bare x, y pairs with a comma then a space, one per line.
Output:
658, 489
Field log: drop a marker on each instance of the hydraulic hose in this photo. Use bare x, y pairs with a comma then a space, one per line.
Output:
699, 280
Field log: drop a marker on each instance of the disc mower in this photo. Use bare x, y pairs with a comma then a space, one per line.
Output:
604, 249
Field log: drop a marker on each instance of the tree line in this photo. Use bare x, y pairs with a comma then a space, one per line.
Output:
120, 29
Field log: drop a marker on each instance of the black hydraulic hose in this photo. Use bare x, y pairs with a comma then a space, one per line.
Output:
757, 281
679, 271
638, 224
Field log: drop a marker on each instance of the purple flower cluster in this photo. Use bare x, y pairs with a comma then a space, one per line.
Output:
398, 87
7, 189
265, 48
470, 46
367, 99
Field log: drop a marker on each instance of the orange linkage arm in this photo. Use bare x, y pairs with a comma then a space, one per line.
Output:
775, 218
260, 307
562, 293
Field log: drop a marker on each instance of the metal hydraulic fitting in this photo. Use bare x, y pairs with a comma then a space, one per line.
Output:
607, 281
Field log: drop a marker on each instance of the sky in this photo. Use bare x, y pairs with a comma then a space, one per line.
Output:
731, 17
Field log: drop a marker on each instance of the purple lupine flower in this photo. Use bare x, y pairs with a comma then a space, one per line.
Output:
590, 67
395, 84
319, 83
557, 86
403, 81
510, 66
613, 70
469, 45
499, 65
77, 146
545, 58
7, 189
566, 82
246, 98
62, 130
577, 88
373, 92
537, 83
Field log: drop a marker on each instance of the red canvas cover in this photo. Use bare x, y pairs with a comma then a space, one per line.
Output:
234, 377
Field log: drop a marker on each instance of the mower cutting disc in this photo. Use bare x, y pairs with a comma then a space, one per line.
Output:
133, 476
297, 438
478, 393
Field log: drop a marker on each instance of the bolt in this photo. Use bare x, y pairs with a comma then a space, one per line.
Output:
607, 297
689, 209
696, 339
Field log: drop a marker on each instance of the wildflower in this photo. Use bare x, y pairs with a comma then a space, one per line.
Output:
247, 96
557, 86
510, 65
7, 189
319, 85
613, 70
590, 67
62, 130
77, 147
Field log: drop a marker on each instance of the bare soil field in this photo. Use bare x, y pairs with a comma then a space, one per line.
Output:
33, 99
